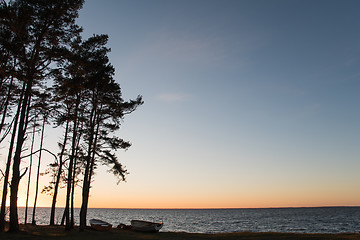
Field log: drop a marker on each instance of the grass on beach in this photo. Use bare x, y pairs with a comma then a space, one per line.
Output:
57, 232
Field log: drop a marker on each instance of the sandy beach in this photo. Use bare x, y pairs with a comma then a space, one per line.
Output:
57, 232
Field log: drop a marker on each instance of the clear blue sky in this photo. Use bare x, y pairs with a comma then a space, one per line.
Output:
247, 103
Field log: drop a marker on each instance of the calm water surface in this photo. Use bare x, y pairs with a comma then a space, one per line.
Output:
303, 220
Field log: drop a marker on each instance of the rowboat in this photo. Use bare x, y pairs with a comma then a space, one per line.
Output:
145, 226
100, 225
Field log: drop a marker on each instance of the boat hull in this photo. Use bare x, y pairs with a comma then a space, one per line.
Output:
145, 226
100, 225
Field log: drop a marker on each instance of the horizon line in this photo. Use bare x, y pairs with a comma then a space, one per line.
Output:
209, 208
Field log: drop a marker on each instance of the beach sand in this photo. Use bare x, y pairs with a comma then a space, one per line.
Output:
57, 232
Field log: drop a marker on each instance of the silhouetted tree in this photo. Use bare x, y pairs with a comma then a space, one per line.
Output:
104, 112
69, 87
8, 164
8, 49
39, 28
64, 92
39, 40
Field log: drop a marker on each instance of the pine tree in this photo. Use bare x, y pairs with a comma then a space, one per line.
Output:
104, 112
39, 28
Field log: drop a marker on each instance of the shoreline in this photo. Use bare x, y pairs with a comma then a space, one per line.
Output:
58, 232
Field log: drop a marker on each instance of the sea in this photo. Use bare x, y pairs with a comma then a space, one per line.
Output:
298, 220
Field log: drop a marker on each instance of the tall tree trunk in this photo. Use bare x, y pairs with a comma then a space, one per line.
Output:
8, 163
14, 187
89, 171
70, 170
86, 184
58, 176
85, 198
30, 167
38, 171
63, 219
86, 193
68, 186
72, 221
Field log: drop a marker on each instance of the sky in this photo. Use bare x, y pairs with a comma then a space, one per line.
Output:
248, 104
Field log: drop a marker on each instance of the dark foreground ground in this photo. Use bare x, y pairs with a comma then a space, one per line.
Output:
47, 232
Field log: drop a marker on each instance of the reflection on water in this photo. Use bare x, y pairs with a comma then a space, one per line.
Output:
310, 220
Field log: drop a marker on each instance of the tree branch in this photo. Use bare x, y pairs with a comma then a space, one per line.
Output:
7, 130
23, 173
42, 149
